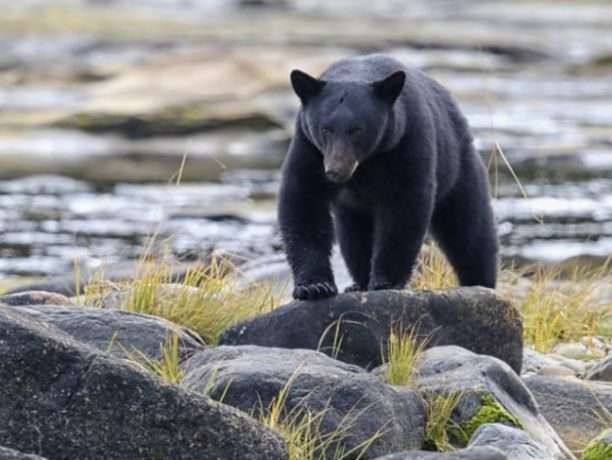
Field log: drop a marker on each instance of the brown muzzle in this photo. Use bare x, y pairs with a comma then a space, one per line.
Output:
340, 164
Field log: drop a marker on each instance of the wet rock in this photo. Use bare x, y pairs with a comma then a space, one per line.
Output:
577, 410
171, 121
118, 332
599, 448
600, 371
573, 350
60, 395
473, 318
533, 361
491, 393
35, 298
351, 400
512, 442
473, 453
557, 371
11, 454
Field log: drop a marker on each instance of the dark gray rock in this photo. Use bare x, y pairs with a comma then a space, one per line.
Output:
117, 332
600, 371
577, 410
474, 318
483, 380
11, 454
533, 361
513, 442
63, 399
474, 453
35, 298
250, 377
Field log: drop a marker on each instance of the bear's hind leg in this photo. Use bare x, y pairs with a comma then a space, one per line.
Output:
464, 227
355, 233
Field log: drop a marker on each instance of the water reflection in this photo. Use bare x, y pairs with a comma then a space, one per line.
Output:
48, 222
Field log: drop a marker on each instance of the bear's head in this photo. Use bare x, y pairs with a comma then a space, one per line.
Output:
346, 120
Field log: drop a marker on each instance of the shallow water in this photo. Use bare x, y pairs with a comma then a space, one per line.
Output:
532, 77
49, 222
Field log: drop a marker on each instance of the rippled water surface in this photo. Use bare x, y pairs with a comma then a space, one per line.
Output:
48, 222
99, 101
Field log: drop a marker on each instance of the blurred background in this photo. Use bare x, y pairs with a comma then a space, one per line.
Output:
122, 119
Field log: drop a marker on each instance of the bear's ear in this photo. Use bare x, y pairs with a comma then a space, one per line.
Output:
305, 86
388, 89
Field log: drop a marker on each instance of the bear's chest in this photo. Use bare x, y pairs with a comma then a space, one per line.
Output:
356, 198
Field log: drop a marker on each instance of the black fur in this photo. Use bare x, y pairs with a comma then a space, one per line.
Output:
387, 150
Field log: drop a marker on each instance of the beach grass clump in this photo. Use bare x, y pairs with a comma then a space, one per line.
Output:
301, 428
439, 424
168, 367
205, 299
559, 308
400, 359
432, 271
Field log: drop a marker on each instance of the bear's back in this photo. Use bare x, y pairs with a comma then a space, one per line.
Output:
367, 68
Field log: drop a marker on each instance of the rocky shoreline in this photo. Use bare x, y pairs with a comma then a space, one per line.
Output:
70, 389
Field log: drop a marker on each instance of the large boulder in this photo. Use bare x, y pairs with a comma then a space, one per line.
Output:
577, 410
353, 403
354, 326
12, 454
474, 453
602, 370
63, 399
491, 441
490, 393
514, 443
118, 332
35, 298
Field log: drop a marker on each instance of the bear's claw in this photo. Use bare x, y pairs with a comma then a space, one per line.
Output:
354, 288
315, 291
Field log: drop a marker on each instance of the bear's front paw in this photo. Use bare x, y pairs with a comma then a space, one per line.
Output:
315, 291
354, 288
384, 285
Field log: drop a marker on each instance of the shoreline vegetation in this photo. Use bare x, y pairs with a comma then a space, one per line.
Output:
556, 309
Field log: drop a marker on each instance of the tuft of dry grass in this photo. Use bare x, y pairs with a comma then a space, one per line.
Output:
557, 308
301, 429
433, 271
206, 299
440, 408
404, 349
168, 367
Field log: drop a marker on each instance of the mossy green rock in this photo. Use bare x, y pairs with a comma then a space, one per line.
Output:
490, 411
599, 448
490, 392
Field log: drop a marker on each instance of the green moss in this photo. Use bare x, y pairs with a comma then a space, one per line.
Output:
490, 411
598, 449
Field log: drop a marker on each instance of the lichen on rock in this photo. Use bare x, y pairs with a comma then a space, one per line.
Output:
600, 448
491, 411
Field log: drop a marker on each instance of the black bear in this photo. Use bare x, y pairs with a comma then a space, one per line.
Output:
387, 151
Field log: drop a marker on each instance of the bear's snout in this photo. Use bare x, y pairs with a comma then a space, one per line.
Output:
340, 167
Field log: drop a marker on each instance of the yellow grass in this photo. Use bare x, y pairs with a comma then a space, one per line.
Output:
560, 310
404, 349
206, 300
301, 429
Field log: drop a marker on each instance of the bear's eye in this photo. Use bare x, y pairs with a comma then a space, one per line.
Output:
325, 131
355, 131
